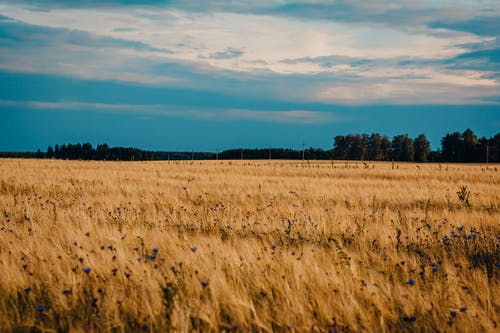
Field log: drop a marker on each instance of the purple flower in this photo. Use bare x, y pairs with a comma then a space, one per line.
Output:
155, 250
435, 269
463, 308
204, 284
402, 262
152, 257
460, 228
110, 247
273, 246
193, 249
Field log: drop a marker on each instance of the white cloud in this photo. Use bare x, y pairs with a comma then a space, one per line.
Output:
286, 116
264, 42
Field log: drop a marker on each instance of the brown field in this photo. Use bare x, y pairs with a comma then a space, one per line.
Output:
248, 246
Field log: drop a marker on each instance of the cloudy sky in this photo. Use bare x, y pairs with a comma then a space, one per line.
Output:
215, 74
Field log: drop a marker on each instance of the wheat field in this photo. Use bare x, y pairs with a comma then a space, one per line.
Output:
260, 246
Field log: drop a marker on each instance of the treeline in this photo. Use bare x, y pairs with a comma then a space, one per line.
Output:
85, 151
455, 147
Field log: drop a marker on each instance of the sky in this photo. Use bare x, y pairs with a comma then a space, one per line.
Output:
211, 75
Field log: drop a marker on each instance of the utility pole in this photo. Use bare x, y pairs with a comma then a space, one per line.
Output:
269, 153
303, 151
217, 154
241, 153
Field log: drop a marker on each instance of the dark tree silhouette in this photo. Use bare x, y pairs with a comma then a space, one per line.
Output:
402, 148
455, 147
50, 152
340, 147
39, 154
451, 147
421, 148
470, 146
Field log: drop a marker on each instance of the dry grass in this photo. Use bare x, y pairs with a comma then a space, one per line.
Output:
248, 246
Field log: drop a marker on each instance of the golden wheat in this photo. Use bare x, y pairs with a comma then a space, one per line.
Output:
248, 246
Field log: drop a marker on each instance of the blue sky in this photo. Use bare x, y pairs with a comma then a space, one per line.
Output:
207, 75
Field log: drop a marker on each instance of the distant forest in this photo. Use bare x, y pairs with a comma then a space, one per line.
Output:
455, 147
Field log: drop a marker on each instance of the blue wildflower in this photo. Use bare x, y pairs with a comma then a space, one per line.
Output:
411, 282
273, 246
193, 249
27, 289
463, 308
87, 270
204, 284
152, 257
155, 250
453, 313
440, 262
460, 228
40, 308
435, 269
409, 319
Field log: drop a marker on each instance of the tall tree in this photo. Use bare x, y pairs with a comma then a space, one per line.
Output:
421, 148
470, 146
340, 147
86, 153
375, 147
385, 146
57, 151
402, 148
451, 150
493, 149
356, 148
50, 152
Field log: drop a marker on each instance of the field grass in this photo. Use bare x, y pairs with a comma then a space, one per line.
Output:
248, 246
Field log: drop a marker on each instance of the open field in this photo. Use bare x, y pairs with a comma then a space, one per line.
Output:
248, 246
